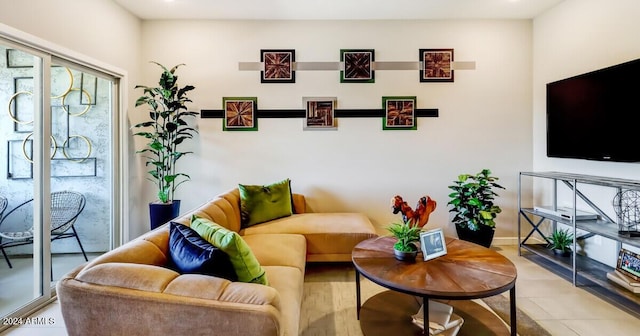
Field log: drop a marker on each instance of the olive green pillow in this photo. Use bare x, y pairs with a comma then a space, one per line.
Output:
259, 204
242, 258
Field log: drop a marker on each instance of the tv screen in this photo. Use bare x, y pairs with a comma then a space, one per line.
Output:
596, 116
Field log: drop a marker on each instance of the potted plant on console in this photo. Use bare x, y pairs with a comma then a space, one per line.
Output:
559, 242
472, 202
407, 235
165, 130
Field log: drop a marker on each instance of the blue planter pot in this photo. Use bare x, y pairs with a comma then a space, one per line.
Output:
161, 213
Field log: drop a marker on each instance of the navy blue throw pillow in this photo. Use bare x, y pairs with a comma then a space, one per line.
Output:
192, 254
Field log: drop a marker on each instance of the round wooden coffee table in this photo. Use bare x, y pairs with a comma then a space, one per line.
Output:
468, 271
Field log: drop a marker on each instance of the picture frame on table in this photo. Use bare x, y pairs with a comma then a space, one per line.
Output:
240, 113
320, 113
433, 244
277, 66
358, 66
437, 65
399, 113
629, 264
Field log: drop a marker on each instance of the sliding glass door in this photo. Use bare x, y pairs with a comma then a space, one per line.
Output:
57, 172
21, 99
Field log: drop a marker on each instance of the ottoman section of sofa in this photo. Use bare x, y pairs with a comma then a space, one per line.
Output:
330, 236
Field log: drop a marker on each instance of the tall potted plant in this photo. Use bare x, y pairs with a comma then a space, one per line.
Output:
165, 130
472, 202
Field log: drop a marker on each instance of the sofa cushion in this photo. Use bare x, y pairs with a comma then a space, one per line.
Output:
289, 283
242, 258
189, 253
259, 204
279, 249
324, 235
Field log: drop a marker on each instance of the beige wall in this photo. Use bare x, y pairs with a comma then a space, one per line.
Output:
575, 37
485, 116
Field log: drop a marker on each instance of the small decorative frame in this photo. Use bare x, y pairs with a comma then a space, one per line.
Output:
18, 59
22, 88
399, 113
437, 65
320, 113
357, 66
90, 86
433, 244
240, 113
278, 65
629, 264
17, 167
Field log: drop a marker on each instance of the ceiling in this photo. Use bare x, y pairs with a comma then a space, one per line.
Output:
336, 9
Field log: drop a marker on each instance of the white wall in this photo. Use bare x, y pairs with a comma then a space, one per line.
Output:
485, 116
99, 29
575, 37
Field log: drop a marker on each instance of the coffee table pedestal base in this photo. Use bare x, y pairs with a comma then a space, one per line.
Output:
389, 313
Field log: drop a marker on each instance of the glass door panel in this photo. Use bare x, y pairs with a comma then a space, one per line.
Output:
20, 100
81, 177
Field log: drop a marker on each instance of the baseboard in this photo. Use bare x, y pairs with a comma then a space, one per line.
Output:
506, 241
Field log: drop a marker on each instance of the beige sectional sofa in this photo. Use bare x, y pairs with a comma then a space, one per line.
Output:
129, 291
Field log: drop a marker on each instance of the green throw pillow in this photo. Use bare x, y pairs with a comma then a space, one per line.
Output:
259, 204
242, 258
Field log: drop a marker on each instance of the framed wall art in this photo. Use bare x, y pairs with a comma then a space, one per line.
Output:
278, 65
399, 113
240, 113
432, 244
437, 65
357, 66
320, 113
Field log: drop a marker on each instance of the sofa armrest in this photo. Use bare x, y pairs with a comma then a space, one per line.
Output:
158, 279
86, 306
147, 278
299, 203
214, 288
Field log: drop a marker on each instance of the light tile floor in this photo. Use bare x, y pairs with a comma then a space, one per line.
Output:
553, 302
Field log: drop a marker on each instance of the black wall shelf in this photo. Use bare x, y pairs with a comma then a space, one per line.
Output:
340, 113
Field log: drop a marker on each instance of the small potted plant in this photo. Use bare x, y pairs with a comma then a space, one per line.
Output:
472, 202
164, 131
560, 242
407, 235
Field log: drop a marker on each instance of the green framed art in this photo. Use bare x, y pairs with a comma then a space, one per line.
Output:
240, 113
399, 113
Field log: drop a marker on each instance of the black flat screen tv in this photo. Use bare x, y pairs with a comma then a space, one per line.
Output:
596, 115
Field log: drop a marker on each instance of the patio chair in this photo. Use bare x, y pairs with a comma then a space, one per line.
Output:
66, 206
3, 205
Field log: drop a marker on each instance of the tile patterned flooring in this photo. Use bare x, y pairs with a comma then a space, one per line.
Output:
553, 302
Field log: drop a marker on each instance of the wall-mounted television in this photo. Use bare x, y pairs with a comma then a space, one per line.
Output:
596, 115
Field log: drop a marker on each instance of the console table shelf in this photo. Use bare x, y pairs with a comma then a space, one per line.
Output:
600, 227
581, 270
592, 276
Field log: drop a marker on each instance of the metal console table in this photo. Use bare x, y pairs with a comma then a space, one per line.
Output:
583, 271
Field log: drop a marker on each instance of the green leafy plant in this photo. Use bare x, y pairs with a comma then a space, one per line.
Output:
165, 130
472, 200
560, 240
406, 234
